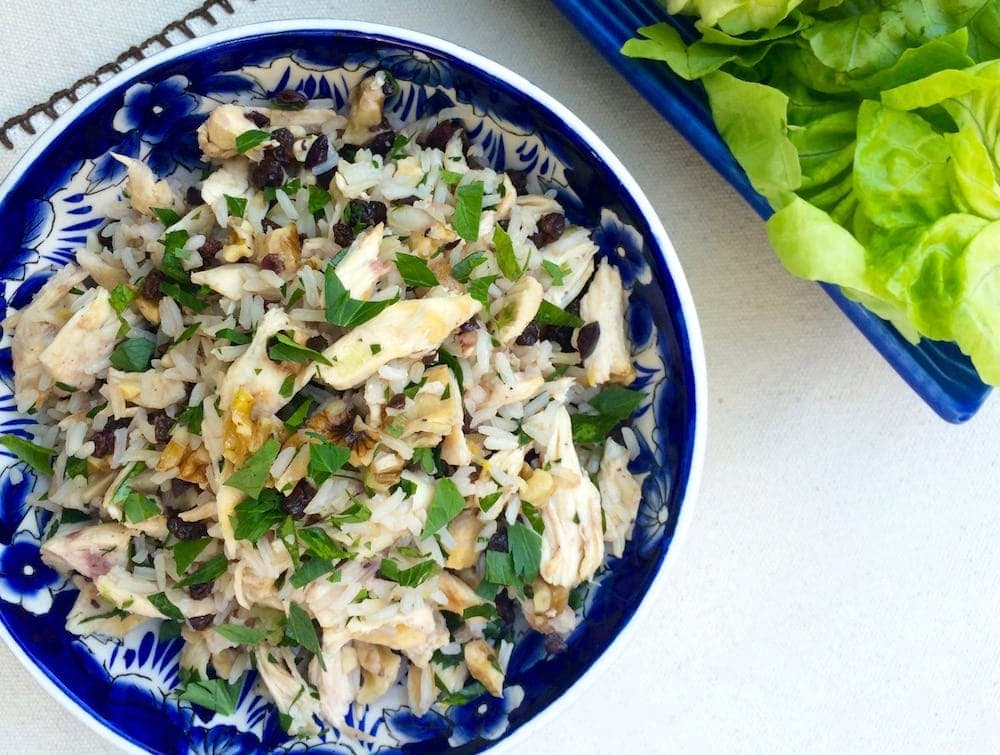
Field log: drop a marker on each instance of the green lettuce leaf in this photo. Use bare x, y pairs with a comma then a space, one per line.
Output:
931, 280
871, 127
900, 168
811, 245
976, 320
752, 118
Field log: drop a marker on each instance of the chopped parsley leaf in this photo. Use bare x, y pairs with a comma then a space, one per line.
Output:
250, 139
344, 311
462, 270
133, 355
236, 206
506, 258
415, 272
446, 504
468, 210
251, 476
550, 314
37, 457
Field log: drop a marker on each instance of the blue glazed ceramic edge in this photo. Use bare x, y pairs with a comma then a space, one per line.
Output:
937, 372
665, 260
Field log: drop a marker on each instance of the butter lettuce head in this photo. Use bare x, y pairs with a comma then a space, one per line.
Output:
872, 127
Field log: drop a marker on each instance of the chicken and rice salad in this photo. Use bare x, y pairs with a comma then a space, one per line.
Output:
342, 410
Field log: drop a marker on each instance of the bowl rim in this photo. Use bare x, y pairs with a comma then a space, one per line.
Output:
689, 317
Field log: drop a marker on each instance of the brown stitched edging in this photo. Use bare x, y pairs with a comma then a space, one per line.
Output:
132, 55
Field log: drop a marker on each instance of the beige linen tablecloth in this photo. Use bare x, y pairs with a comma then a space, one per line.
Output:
837, 588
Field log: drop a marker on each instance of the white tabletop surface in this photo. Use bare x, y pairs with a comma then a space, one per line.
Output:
837, 590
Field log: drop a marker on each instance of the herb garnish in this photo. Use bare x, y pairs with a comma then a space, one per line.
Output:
525, 550
162, 604
37, 457
300, 629
192, 418
411, 577
253, 517
612, 405
166, 216
318, 199
241, 635
236, 206
250, 477
325, 459
462, 269
250, 139
344, 311
415, 272
479, 289
138, 508
286, 349
550, 314
556, 272
233, 336
186, 551
214, 694
133, 355
209, 571
446, 504
506, 259
468, 210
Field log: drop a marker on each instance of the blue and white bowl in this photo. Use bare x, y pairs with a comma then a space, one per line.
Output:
59, 193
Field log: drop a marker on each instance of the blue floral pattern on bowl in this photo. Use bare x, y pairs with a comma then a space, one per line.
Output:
62, 196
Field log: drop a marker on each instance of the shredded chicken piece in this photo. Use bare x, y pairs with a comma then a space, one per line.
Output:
152, 389
481, 661
433, 413
573, 542
96, 325
416, 631
91, 551
604, 303
620, 495
234, 280
508, 198
37, 326
104, 268
465, 528
230, 179
338, 683
365, 110
420, 689
91, 615
217, 135
460, 596
361, 269
124, 589
255, 374
145, 193
516, 308
574, 251
524, 388
402, 330
279, 674
379, 669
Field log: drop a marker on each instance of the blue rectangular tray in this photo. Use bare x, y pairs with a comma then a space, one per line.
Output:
937, 371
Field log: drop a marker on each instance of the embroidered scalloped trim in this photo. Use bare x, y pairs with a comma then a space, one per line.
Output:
198, 21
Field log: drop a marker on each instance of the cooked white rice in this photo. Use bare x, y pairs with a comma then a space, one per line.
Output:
345, 499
